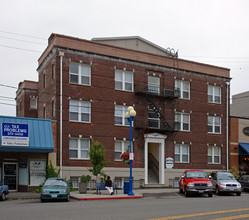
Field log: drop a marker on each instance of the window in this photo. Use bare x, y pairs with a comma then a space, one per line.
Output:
182, 121
153, 119
33, 103
214, 94
44, 80
80, 74
53, 109
182, 153
120, 112
53, 71
184, 88
153, 84
44, 111
214, 155
80, 111
214, 124
79, 148
121, 147
123, 80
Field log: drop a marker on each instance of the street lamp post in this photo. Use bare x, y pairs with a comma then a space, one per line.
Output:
130, 117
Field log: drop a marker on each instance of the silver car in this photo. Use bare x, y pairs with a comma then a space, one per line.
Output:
225, 182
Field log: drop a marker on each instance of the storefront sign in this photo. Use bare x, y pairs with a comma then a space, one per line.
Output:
246, 131
14, 134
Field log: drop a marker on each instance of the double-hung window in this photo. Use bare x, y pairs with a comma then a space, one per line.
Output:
80, 74
214, 124
123, 80
121, 147
79, 148
153, 119
80, 111
214, 94
182, 121
214, 154
33, 103
154, 84
182, 153
120, 112
184, 88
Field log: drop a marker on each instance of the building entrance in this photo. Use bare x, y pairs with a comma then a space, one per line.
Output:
10, 175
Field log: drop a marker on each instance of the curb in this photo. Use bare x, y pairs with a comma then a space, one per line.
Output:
109, 198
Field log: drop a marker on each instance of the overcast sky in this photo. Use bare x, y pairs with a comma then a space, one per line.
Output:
209, 31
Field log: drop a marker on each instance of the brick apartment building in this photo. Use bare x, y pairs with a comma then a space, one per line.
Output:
181, 107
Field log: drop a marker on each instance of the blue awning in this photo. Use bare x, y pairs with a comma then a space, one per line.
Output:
26, 134
243, 149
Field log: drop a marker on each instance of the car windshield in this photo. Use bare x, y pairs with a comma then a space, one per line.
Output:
196, 175
55, 182
225, 176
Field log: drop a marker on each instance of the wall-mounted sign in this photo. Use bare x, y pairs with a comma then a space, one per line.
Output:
15, 134
246, 131
169, 162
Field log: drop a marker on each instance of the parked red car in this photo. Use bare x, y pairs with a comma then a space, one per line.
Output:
195, 182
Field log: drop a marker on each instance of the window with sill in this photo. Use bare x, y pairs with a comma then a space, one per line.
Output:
153, 119
214, 124
154, 85
182, 153
121, 147
33, 103
80, 74
79, 148
79, 111
214, 94
182, 121
214, 155
123, 80
120, 112
184, 88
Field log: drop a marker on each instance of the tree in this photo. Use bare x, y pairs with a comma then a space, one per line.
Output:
97, 156
51, 171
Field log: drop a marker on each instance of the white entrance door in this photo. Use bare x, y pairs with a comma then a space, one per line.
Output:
160, 140
10, 175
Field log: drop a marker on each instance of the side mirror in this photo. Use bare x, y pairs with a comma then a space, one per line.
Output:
182, 177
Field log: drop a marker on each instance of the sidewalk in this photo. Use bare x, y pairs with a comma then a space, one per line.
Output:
91, 194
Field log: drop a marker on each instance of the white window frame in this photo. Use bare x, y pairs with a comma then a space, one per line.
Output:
80, 110
78, 148
33, 103
213, 125
80, 74
124, 148
154, 87
179, 85
212, 96
153, 119
181, 153
124, 122
181, 122
212, 155
123, 81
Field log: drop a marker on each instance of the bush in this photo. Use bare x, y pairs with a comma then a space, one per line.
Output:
85, 178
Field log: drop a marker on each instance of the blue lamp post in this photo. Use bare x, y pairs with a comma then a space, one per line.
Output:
130, 117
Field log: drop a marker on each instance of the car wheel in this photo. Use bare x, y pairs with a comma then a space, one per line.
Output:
210, 194
217, 191
238, 193
186, 193
3, 196
42, 200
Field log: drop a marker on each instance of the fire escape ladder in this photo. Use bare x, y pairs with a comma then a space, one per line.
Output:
158, 111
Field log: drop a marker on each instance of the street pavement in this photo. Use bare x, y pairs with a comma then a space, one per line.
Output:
91, 194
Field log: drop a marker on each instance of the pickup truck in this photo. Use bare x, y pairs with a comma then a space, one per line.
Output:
4, 190
195, 182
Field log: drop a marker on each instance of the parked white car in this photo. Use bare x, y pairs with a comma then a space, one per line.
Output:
225, 182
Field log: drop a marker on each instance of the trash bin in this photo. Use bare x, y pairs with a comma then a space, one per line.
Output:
126, 187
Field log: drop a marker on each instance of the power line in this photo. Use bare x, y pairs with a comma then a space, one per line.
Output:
21, 49
9, 38
24, 35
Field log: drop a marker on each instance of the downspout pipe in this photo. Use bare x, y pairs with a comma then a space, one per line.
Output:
61, 54
227, 122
